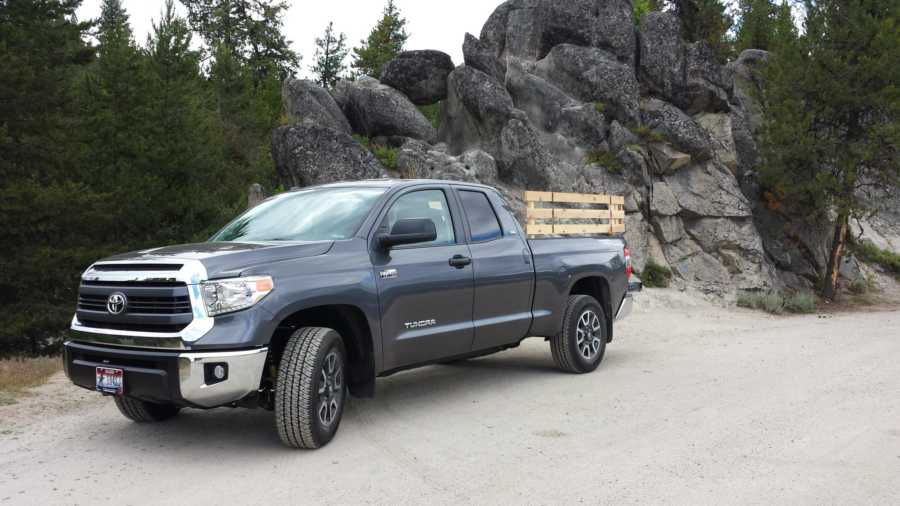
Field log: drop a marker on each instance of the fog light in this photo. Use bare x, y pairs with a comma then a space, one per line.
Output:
215, 372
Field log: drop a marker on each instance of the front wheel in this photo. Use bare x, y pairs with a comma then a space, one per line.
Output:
580, 345
311, 389
144, 412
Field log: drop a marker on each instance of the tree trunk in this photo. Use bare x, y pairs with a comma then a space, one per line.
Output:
832, 270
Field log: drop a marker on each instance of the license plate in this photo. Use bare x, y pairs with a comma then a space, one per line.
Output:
110, 380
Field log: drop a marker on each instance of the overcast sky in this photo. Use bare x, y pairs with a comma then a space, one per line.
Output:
432, 24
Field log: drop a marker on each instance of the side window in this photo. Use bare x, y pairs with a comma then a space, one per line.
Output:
431, 204
483, 222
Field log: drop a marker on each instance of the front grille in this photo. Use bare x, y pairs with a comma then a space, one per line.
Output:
136, 267
141, 305
152, 306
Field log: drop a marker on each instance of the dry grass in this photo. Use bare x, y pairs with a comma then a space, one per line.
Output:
17, 375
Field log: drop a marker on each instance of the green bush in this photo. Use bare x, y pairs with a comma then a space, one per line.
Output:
776, 302
859, 286
655, 275
870, 253
604, 159
648, 134
433, 114
800, 302
600, 107
386, 155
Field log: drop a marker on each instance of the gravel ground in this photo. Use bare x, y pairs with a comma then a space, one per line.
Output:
694, 404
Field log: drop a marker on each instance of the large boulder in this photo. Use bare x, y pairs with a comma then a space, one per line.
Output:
531, 28
662, 53
421, 75
708, 190
307, 102
480, 114
481, 56
375, 109
476, 110
677, 128
308, 154
721, 130
417, 159
553, 111
593, 75
687, 75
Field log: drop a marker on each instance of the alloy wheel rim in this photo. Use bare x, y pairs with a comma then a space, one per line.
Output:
588, 334
331, 389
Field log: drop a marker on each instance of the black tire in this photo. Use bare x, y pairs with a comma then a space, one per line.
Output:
580, 354
145, 412
304, 413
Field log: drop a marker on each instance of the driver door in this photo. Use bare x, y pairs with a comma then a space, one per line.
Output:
426, 300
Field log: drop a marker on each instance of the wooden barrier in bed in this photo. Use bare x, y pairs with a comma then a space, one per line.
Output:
583, 214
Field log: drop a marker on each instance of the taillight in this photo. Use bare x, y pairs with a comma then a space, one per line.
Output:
628, 269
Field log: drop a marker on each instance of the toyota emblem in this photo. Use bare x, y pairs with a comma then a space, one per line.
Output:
116, 303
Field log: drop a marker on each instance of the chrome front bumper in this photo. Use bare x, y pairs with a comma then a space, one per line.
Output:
245, 369
184, 379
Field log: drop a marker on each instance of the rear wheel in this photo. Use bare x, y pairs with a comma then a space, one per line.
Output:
580, 345
311, 389
143, 411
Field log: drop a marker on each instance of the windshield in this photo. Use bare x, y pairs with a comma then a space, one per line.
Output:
324, 214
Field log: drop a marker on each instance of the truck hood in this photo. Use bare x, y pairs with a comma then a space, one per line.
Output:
227, 259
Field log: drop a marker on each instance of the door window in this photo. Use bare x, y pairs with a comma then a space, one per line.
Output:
430, 204
483, 223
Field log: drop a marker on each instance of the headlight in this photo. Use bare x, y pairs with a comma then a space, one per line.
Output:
229, 295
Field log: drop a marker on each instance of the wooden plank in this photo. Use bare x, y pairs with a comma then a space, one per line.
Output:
537, 213
617, 213
582, 198
538, 196
617, 229
596, 214
580, 229
539, 229
617, 200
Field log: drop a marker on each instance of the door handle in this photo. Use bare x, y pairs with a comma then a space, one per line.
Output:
460, 261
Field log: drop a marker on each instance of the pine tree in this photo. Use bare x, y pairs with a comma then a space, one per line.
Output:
42, 245
250, 30
706, 20
383, 44
761, 22
331, 51
832, 99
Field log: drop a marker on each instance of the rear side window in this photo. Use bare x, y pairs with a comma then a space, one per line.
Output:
483, 222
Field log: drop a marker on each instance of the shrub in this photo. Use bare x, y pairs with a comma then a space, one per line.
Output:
648, 134
776, 302
870, 253
433, 114
655, 275
386, 155
600, 107
604, 159
800, 302
859, 286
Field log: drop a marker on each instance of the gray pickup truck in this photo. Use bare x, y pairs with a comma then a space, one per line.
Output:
311, 295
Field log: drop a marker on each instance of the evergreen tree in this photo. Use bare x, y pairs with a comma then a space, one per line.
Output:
250, 30
331, 51
42, 246
832, 98
761, 22
383, 44
706, 20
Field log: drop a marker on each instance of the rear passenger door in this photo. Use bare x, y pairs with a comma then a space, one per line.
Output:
504, 276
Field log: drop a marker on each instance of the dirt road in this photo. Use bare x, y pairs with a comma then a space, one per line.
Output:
692, 405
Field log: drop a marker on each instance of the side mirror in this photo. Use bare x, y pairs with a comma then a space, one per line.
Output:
414, 231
